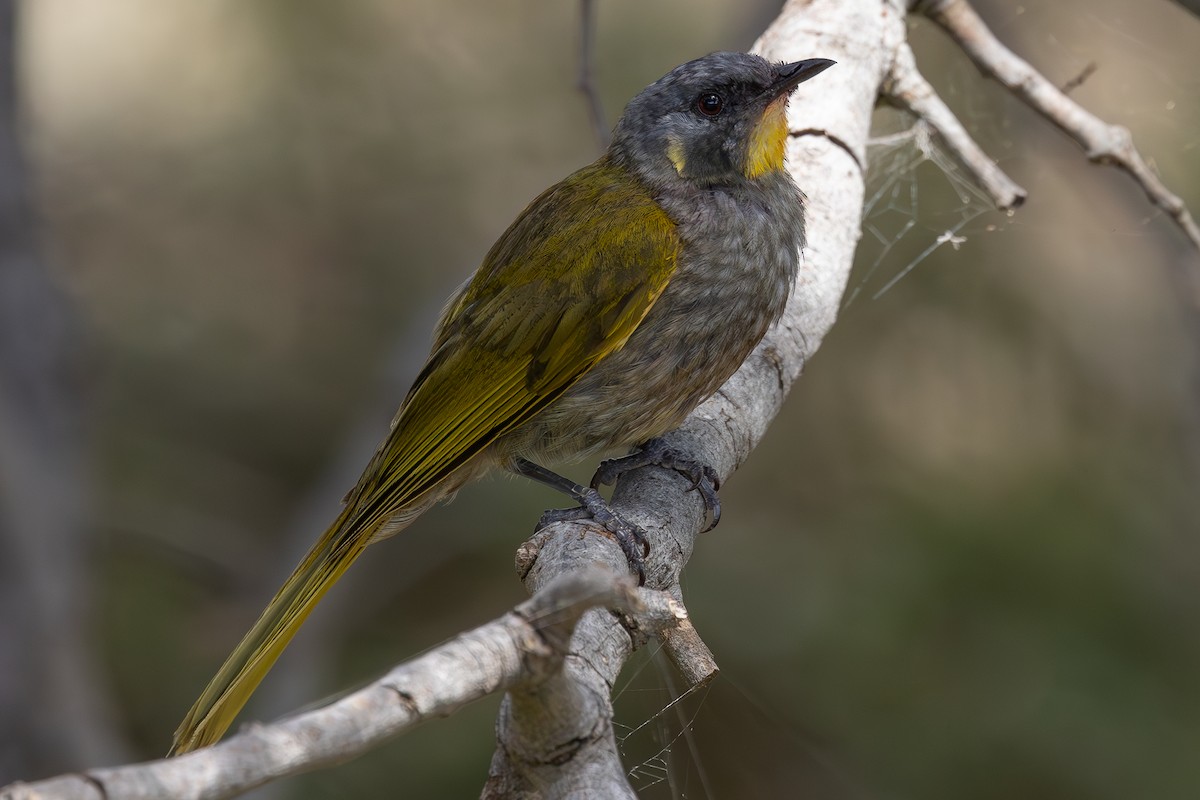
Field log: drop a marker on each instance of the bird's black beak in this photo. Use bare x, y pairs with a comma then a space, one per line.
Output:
794, 74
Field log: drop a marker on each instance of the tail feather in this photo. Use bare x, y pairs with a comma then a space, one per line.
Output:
241, 673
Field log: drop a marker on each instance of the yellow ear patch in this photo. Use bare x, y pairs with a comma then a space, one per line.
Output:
767, 140
676, 154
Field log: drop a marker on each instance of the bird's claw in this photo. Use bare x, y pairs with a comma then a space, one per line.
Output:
629, 537
655, 452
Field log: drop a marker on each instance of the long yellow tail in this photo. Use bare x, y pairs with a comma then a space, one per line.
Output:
241, 673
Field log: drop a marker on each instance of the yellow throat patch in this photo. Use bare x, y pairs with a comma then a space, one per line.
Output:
767, 140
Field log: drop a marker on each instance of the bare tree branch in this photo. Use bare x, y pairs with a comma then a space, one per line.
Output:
1103, 143
1079, 80
690, 655
527, 644
908, 89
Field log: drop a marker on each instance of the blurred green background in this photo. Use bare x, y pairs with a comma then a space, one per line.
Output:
980, 503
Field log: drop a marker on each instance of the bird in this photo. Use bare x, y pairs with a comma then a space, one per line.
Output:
617, 301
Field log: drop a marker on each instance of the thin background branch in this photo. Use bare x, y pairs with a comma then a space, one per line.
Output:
54, 707
587, 76
908, 89
1104, 143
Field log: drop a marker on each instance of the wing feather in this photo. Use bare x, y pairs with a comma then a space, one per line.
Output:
565, 286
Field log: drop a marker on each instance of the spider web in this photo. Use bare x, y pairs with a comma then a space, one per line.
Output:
665, 729
715, 741
918, 199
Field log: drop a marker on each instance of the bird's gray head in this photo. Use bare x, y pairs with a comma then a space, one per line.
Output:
720, 119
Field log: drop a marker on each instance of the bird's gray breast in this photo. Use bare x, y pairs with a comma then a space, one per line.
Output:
738, 263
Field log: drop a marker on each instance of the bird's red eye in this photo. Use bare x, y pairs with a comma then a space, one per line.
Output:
710, 104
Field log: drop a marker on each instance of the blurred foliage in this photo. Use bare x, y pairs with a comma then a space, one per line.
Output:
980, 500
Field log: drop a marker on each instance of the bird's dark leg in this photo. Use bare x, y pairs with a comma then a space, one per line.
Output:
631, 538
655, 452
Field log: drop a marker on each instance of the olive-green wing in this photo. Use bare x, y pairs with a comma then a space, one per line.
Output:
566, 285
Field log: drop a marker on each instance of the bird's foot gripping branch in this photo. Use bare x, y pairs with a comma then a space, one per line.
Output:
657, 453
